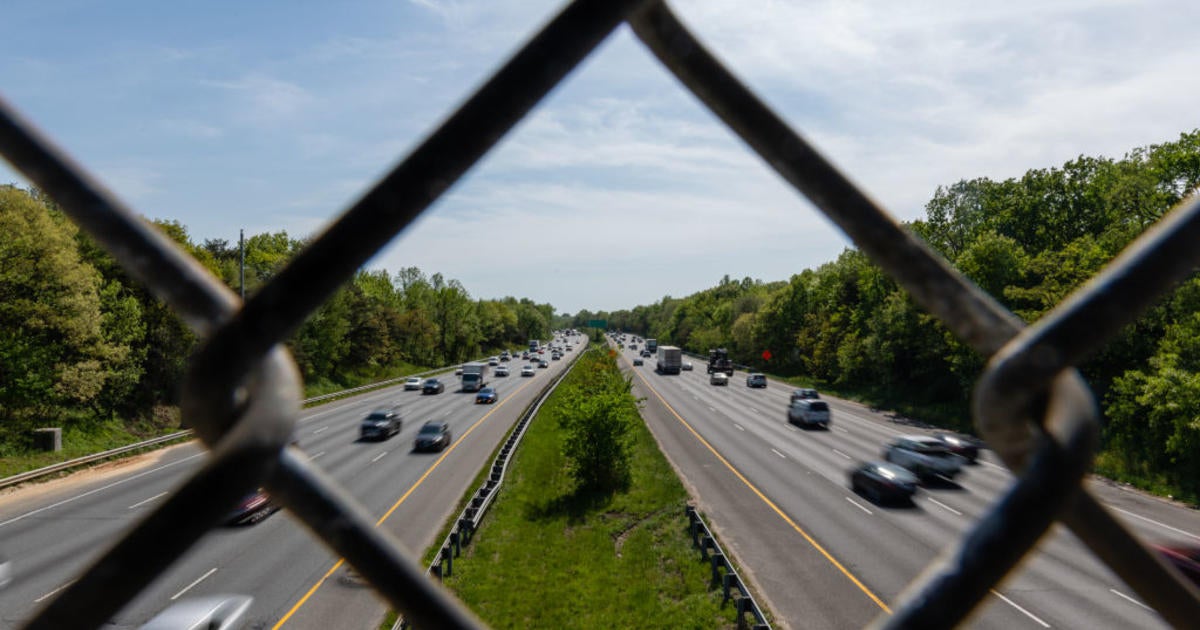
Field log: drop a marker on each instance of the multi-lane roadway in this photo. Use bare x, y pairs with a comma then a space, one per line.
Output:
825, 557
52, 531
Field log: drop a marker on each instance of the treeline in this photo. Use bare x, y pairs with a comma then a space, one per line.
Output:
80, 342
1028, 241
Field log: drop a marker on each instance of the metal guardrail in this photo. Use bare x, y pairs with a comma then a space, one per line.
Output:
88, 459
242, 391
465, 526
723, 572
129, 448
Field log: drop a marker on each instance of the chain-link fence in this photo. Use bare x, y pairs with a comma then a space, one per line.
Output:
242, 392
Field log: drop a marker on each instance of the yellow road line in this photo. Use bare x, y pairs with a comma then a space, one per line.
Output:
402, 499
862, 587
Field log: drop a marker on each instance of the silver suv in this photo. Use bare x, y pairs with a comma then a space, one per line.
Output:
926, 456
809, 413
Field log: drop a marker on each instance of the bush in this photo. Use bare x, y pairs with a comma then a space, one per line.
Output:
598, 423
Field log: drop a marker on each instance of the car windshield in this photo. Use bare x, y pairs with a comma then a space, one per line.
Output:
431, 429
432, 381
485, 391
378, 415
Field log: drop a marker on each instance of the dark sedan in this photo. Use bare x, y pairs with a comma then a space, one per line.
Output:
253, 508
434, 436
881, 482
433, 386
487, 395
962, 445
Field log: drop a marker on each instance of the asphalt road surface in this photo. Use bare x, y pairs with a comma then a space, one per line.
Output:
825, 557
51, 532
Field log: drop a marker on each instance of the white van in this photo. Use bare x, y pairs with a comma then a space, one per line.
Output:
718, 378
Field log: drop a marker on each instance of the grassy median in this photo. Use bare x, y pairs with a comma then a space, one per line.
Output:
552, 554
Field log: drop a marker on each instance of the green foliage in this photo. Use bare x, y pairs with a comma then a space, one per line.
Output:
596, 413
628, 551
1030, 242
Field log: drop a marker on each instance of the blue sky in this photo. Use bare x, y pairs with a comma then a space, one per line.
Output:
620, 188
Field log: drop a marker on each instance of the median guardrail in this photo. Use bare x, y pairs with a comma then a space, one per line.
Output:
468, 520
723, 572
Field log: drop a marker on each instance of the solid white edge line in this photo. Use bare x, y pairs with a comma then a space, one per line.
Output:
944, 506
189, 586
317, 455
321, 430
1150, 520
855, 504
95, 490
779, 454
51, 593
840, 430
1014, 605
843, 454
141, 503
379, 457
1130, 599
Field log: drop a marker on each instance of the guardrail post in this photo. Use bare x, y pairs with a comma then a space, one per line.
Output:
706, 541
448, 558
718, 561
454, 544
740, 605
436, 570
728, 583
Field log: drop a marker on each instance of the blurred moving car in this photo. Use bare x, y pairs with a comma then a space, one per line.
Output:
210, 612
926, 456
1184, 557
253, 508
527, 370
964, 446
756, 380
381, 424
543, 363
718, 378
433, 436
433, 386
686, 366
804, 393
637, 361
880, 482
809, 413
501, 371
487, 395
413, 382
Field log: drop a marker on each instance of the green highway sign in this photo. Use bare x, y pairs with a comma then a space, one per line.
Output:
597, 323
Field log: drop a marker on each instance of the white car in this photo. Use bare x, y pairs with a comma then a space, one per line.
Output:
501, 370
718, 378
528, 371
413, 382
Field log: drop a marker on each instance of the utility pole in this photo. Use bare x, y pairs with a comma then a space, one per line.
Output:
242, 262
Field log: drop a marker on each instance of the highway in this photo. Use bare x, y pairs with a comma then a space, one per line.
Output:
824, 557
53, 531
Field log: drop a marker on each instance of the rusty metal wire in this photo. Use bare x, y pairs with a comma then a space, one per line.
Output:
242, 390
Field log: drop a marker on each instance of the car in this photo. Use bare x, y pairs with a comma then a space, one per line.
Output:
555, 356
505, 358
756, 380
543, 363
381, 424
804, 393
569, 348
433, 386
633, 346
718, 378
413, 383
1184, 557
253, 507
964, 446
809, 413
882, 482
926, 456
494, 361
433, 436
487, 395
646, 353
686, 366
638, 361
501, 371
527, 370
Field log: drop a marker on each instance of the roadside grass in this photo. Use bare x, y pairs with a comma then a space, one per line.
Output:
550, 556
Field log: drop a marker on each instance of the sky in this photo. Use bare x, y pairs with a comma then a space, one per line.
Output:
620, 188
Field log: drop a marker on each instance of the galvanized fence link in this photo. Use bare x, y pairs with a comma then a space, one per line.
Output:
242, 391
